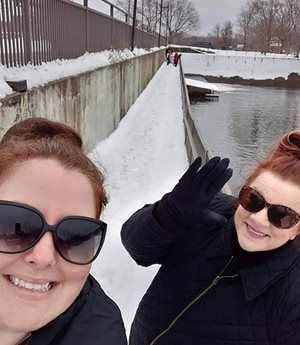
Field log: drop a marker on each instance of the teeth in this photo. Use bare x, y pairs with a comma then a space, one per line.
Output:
26, 285
257, 233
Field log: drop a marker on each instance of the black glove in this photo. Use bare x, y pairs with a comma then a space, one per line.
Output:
180, 211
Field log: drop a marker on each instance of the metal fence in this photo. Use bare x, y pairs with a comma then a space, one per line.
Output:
38, 31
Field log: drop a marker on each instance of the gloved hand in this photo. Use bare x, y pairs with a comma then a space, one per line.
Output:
180, 211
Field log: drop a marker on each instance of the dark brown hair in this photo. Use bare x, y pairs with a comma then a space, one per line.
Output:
40, 138
283, 159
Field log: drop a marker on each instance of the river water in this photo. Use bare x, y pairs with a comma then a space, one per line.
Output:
244, 122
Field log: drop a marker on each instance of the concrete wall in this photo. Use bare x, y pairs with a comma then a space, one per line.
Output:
93, 103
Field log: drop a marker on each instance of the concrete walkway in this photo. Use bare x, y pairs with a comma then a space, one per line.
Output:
142, 160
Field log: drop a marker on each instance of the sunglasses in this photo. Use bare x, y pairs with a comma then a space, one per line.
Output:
281, 217
77, 239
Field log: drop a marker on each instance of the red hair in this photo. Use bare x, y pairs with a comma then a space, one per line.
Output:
40, 138
283, 160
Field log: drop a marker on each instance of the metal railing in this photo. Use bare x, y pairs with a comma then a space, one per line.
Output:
194, 143
36, 31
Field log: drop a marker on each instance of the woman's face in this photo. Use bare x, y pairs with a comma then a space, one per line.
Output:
254, 231
57, 193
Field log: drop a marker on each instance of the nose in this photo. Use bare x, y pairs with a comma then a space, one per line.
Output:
43, 254
261, 217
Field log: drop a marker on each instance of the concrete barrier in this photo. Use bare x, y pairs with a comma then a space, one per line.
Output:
93, 102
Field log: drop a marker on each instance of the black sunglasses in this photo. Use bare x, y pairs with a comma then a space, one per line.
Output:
281, 217
77, 239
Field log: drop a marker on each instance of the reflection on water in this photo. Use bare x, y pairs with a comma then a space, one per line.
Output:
244, 122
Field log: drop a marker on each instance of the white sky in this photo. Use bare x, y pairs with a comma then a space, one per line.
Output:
214, 12
211, 11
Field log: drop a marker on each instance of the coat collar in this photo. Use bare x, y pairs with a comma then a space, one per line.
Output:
261, 276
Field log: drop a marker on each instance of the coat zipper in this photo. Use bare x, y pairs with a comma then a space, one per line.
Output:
212, 284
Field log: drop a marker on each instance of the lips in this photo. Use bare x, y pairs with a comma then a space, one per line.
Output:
255, 233
41, 287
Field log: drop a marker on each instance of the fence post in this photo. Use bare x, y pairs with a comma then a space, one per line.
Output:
133, 25
27, 32
112, 26
159, 30
87, 37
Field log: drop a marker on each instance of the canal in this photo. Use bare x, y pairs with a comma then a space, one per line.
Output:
244, 121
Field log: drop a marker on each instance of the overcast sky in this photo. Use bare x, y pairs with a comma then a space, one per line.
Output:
213, 12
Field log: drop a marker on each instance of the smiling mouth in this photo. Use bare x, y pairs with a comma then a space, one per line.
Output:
256, 233
30, 286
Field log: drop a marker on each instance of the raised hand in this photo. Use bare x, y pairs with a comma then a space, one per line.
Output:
181, 209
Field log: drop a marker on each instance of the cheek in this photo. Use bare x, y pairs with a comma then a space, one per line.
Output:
76, 274
240, 216
7, 260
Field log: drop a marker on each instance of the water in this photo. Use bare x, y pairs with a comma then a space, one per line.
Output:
245, 122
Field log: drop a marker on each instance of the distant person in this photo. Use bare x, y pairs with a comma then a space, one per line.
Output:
51, 197
230, 268
175, 59
168, 58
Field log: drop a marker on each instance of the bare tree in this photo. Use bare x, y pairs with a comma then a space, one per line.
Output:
294, 17
287, 23
147, 15
215, 36
266, 16
245, 24
180, 18
216, 32
227, 34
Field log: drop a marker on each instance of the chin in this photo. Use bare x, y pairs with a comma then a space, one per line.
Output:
246, 244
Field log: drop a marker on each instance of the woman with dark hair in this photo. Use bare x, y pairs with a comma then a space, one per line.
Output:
51, 198
230, 268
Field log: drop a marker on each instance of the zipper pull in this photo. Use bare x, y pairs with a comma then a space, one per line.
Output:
216, 280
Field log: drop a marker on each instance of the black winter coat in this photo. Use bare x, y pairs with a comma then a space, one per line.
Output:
208, 295
93, 319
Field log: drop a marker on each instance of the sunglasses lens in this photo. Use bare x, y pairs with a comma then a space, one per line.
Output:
19, 228
251, 200
80, 240
281, 216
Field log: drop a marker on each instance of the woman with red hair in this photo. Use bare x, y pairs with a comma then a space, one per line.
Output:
230, 267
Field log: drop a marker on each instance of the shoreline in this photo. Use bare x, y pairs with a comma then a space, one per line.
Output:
292, 81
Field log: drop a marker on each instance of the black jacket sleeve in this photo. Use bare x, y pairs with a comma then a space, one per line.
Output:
149, 243
146, 241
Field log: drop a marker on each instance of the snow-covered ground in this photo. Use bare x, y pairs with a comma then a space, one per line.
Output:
142, 160
248, 65
214, 62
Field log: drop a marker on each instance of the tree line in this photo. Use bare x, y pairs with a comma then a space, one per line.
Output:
172, 18
262, 25
265, 25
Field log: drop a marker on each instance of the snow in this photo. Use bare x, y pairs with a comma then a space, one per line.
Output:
207, 62
248, 65
142, 160
57, 69
201, 84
